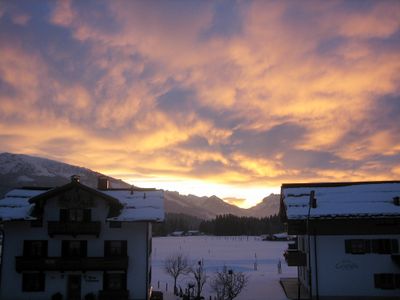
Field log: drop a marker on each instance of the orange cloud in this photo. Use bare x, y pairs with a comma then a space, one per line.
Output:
106, 78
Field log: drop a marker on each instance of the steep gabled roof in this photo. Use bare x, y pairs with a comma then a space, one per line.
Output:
127, 205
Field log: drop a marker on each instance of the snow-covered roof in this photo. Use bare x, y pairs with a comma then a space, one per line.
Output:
347, 200
139, 205
143, 205
16, 206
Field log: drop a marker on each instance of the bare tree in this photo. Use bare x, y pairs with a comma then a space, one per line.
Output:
228, 284
175, 265
200, 277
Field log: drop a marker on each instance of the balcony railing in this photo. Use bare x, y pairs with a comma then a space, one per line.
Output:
74, 228
115, 295
295, 257
71, 264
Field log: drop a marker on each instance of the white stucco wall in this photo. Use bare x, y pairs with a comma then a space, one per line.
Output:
345, 274
16, 232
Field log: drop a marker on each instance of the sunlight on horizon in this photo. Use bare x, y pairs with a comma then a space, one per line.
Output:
243, 197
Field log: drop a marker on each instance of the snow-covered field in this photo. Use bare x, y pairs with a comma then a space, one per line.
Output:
237, 253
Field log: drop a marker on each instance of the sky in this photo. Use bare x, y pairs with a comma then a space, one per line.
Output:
231, 98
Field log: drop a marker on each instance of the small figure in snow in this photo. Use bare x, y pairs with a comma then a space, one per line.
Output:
279, 267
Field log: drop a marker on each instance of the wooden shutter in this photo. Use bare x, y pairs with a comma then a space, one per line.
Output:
377, 280
26, 248
367, 246
347, 245
375, 246
83, 248
124, 250
87, 215
106, 248
397, 281
123, 281
42, 280
64, 248
63, 215
395, 246
105, 281
44, 248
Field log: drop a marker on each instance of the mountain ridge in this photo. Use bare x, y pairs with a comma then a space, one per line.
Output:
17, 170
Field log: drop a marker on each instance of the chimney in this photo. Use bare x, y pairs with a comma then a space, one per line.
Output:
313, 200
103, 183
75, 178
396, 201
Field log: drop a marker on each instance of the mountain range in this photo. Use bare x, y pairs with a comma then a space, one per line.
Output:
17, 170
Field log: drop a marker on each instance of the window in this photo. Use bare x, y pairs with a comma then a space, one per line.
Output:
114, 224
387, 281
74, 248
75, 215
33, 282
381, 246
115, 248
35, 248
114, 281
385, 246
357, 246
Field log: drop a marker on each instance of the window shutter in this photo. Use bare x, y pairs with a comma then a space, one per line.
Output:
375, 246
347, 245
105, 281
124, 250
377, 280
87, 215
44, 248
42, 280
397, 281
367, 246
395, 246
64, 249
63, 215
124, 281
83, 248
26, 248
106, 248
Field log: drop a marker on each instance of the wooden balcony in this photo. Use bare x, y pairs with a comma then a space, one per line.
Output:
295, 257
115, 295
74, 228
71, 264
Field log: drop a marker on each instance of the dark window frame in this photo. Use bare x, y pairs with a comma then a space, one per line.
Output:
112, 250
385, 246
31, 248
357, 246
108, 277
387, 281
33, 282
379, 246
75, 215
71, 252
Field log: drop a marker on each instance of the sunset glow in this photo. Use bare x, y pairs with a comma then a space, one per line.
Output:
226, 98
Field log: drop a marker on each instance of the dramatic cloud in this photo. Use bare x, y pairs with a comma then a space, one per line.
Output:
240, 95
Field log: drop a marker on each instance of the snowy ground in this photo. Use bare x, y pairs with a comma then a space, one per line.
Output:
237, 253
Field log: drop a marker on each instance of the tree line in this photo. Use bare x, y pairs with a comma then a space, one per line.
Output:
222, 225
234, 225
176, 222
